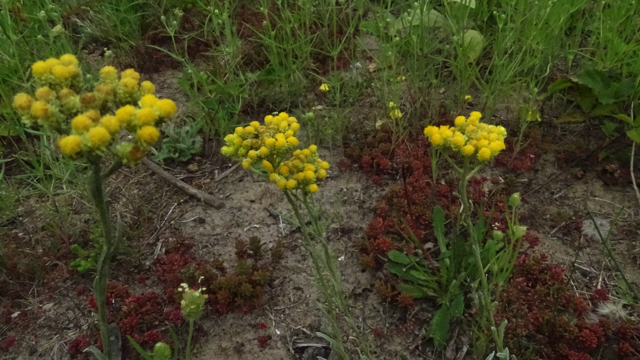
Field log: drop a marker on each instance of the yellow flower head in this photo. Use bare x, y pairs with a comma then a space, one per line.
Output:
148, 101
322, 174
458, 140
496, 147
99, 136
281, 183
70, 145
476, 114
468, 98
270, 141
280, 143
129, 84
92, 114
446, 133
484, 154
284, 170
40, 68
313, 188
309, 175
146, 116
44, 93
324, 87
313, 149
147, 88
68, 59
460, 120
483, 143
267, 165
246, 164
468, 150
40, 109
51, 62
264, 152
324, 165
111, 123
268, 119
395, 114
130, 74
62, 72
108, 72
293, 141
167, 107
104, 91
291, 184
252, 154
430, 130
81, 124
255, 125
249, 130
392, 105
23, 102
436, 139
125, 113
148, 134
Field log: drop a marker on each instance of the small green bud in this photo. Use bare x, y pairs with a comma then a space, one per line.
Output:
498, 235
514, 200
519, 231
161, 351
192, 304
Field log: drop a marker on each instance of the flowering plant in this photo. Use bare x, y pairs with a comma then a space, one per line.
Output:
88, 127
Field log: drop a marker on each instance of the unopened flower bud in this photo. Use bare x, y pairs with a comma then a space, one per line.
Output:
57, 30
192, 304
514, 200
161, 351
498, 235
519, 231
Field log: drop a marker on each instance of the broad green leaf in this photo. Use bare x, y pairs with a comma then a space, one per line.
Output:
474, 42
399, 257
371, 27
556, 86
416, 291
594, 79
624, 118
420, 275
439, 327
604, 110
469, 3
416, 18
585, 97
609, 127
636, 123
571, 118
457, 305
634, 134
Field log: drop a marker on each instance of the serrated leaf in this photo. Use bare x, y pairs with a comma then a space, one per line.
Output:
556, 86
457, 305
604, 110
474, 42
417, 291
571, 118
634, 134
469, 3
594, 79
399, 257
439, 327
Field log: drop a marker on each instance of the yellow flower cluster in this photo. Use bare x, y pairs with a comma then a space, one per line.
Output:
95, 117
469, 136
271, 147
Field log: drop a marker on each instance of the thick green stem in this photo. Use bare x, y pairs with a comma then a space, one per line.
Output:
96, 190
189, 340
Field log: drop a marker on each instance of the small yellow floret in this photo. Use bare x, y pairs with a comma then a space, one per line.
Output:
305, 153
436, 139
313, 188
496, 147
430, 130
146, 116
255, 125
476, 114
284, 170
264, 152
62, 72
283, 115
99, 136
249, 130
111, 123
81, 124
281, 183
281, 143
324, 87
167, 107
252, 154
147, 88
130, 74
458, 141
309, 175
267, 165
473, 120
313, 149
291, 184
322, 174
148, 101
484, 154
268, 119
246, 164
125, 113
43, 93
93, 114
293, 141
40, 109
22, 102
324, 165
40, 68
68, 59
309, 167
108, 72
70, 145
460, 120
51, 62
483, 143
149, 134
129, 85
270, 141
295, 127
467, 150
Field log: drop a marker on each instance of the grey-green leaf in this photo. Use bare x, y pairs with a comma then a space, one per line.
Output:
399, 257
457, 305
439, 327
474, 42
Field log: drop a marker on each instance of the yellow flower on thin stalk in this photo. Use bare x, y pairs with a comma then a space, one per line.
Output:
324, 87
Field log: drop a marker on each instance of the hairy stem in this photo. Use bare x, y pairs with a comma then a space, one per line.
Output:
189, 340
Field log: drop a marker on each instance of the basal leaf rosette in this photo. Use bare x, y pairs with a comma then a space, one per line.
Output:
469, 137
271, 150
90, 124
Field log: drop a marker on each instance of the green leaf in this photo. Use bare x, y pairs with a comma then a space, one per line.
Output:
420, 275
625, 118
140, 351
556, 86
439, 327
609, 128
399, 257
371, 27
418, 292
634, 134
604, 110
474, 42
585, 97
469, 3
594, 79
99, 355
636, 123
571, 118
403, 271
457, 305
438, 228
